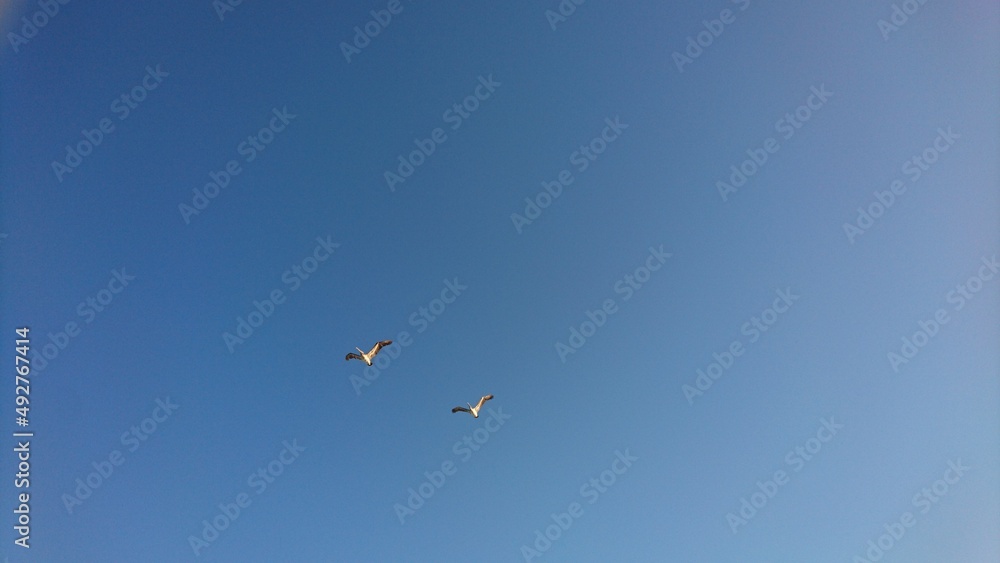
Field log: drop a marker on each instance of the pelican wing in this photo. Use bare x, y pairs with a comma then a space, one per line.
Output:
460, 409
483, 400
353, 356
378, 346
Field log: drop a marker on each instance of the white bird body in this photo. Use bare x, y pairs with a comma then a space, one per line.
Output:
367, 358
473, 410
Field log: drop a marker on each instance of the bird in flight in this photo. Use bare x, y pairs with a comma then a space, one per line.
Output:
473, 410
367, 358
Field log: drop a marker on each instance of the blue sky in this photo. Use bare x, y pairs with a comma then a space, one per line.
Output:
480, 301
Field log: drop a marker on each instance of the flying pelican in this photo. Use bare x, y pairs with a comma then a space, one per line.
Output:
473, 410
367, 358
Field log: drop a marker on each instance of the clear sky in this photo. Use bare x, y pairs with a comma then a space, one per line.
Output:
692, 357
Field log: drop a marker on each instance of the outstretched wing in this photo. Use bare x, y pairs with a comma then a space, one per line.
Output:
460, 409
378, 346
352, 356
483, 400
